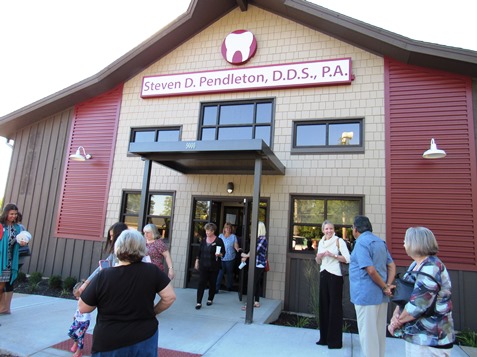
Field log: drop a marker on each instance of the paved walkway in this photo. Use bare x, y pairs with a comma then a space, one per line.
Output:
38, 322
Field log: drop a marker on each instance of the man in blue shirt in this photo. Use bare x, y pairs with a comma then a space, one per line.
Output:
371, 272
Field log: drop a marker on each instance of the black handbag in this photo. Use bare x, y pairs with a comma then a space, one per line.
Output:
404, 288
344, 267
24, 251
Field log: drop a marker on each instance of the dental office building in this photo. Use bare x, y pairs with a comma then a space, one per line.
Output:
261, 110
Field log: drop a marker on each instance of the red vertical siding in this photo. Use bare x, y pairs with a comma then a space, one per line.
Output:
440, 194
84, 197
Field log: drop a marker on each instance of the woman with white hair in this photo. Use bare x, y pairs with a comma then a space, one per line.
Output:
157, 249
126, 323
428, 329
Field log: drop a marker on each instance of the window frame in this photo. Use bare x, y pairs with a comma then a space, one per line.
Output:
292, 223
255, 124
149, 217
156, 130
328, 149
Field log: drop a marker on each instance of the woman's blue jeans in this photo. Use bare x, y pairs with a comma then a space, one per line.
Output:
146, 348
228, 270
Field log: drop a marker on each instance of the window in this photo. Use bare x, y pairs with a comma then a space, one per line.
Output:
238, 120
309, 213
158, 211
326, 136
151, 135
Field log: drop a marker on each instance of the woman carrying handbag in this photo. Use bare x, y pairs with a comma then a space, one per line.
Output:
332, 251
427, 333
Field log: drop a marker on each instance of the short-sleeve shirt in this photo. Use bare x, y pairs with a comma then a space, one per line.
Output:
82, 317
369, 250
124, 296
155, 251
229, 243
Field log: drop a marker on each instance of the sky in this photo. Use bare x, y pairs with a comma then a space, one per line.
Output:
48, 45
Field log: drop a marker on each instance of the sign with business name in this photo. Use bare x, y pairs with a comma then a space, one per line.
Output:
302, 74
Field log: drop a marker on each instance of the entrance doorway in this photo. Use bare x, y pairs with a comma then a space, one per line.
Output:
235, 210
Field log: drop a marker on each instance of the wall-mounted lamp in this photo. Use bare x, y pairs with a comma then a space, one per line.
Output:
230, 187
434, 152
79, 157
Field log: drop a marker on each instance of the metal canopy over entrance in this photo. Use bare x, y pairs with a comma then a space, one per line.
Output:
243, 157
211, 157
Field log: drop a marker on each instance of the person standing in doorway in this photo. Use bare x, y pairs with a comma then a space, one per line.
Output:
331, 286
371, 273
228, 261
208, 263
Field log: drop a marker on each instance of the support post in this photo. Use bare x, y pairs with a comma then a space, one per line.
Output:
253, 239
146, 180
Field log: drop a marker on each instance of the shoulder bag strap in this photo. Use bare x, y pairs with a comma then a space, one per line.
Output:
422, 273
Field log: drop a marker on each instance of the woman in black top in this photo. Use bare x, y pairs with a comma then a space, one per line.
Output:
126, 323
208, 263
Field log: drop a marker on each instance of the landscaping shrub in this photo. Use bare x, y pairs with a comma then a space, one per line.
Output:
35, 277
69, 283
467, 338
34, 281
21, 278
55, 282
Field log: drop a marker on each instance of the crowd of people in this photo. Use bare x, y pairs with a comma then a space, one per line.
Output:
424, 322
126, 318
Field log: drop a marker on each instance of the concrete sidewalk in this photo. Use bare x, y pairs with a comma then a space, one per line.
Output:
38, 322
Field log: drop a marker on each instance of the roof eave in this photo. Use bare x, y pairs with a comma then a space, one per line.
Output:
201, 14
135, 61
374, 39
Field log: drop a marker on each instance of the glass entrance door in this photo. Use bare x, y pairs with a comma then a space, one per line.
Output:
236, 211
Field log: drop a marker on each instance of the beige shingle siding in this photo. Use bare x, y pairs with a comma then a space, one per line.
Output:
361, 174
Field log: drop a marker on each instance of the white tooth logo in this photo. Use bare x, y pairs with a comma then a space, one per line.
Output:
239, 46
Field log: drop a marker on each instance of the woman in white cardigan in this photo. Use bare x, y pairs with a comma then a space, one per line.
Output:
331, 286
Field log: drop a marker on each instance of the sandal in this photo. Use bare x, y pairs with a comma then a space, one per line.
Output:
198, 306
74, 348
256, 304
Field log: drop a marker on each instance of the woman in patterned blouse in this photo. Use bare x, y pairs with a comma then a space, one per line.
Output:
425, 335
260, 263
157, 249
